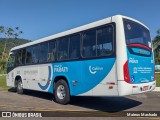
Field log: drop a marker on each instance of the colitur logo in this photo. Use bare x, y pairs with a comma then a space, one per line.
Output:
93, 70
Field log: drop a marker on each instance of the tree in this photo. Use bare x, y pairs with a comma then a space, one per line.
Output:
2, 66
158, 32
1, 29
8, 32
156, 46
156, 40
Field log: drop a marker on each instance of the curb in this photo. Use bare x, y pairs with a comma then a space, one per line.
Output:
157, 89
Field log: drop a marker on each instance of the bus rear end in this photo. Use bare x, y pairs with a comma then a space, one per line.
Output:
138, 66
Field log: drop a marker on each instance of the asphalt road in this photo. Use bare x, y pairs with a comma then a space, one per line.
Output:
39, 101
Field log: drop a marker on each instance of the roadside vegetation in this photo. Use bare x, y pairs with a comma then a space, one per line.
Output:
156, 47
3, 86
10, 43
158, 79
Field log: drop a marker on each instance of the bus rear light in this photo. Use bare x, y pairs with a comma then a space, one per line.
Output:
126, 72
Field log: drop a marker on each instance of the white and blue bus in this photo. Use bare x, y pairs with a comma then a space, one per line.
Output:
110, 57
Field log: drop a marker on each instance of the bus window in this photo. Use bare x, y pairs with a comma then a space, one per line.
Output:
29, 55
24, 56
43, 52
74, 47
136, 33
35, 54
105, 41
89, 44
63, 49
52, 51
11, 61
19, 57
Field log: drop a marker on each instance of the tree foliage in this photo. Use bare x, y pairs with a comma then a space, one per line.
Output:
9, 35
11, 42
2, 66
158, 32
9, 32
156, 46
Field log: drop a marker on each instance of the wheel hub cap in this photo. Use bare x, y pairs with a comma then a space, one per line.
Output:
61, 93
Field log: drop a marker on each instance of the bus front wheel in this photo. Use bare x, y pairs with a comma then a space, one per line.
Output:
61, 92
19, 87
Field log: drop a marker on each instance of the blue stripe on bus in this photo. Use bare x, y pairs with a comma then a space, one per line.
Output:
49, 78
80, 78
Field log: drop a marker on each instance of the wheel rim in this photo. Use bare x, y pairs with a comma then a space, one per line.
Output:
61, 93
20, 85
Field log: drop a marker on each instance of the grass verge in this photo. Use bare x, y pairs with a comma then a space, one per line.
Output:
3, 85
158, 79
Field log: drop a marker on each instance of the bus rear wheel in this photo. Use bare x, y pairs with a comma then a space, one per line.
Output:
19, 87
61, 92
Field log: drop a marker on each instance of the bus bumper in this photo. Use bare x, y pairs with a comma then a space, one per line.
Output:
129, 89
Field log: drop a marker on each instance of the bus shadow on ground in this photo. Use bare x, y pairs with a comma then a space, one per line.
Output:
11, 89
104, 104
38, 94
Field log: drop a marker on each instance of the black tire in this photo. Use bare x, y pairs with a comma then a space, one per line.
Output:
62, 95
20, 87
16, 83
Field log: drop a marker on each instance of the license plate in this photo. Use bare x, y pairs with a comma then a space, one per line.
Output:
145, 88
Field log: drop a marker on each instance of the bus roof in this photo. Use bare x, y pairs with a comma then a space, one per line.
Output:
75, 30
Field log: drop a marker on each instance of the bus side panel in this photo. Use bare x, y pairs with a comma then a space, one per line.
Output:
10, 78
45, 73
72, 72
34, 77
29, 76
96, 75
84, 76
106, 86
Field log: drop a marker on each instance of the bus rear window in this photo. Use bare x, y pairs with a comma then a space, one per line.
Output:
136, 33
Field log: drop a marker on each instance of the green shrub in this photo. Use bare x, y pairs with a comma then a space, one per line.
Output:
2, 67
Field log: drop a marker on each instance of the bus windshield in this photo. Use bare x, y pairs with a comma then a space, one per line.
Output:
136, 33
